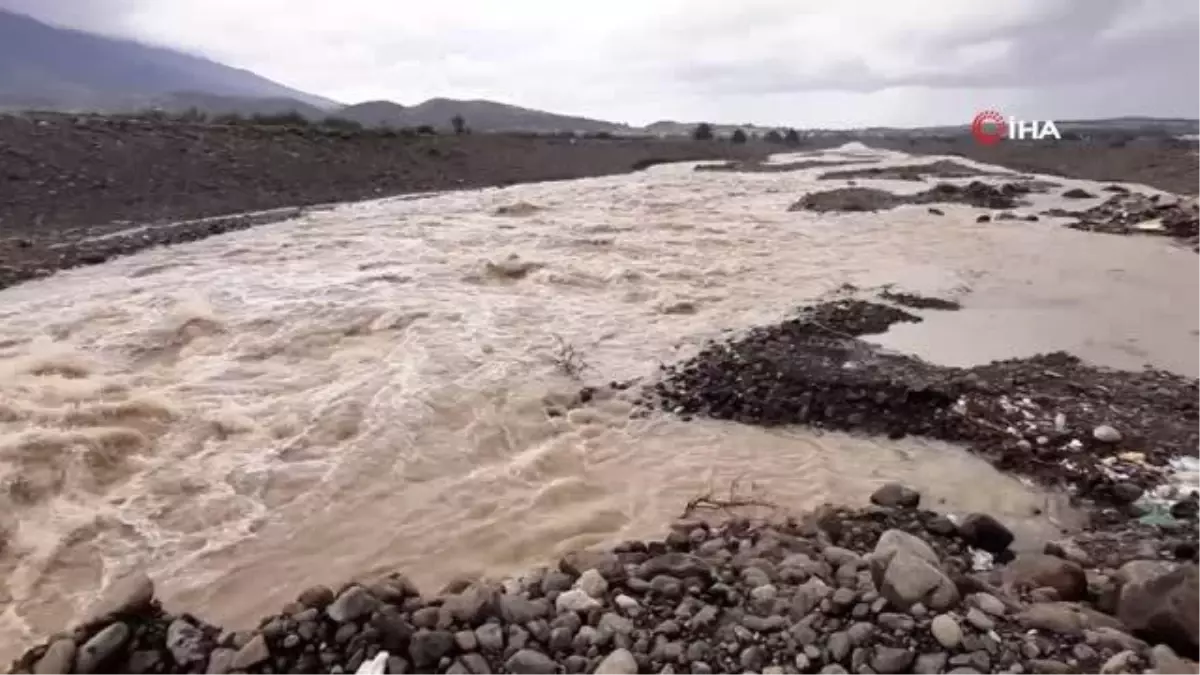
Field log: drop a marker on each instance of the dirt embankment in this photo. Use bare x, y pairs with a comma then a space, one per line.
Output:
1167, 166
64, 179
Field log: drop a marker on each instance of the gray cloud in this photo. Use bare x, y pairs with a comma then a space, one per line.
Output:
776, 61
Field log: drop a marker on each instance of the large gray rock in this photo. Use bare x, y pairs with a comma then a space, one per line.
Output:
985, 532
128, 595
474, 605
1162, 608
1165, 660
59, 658
427, 647
899, 540
894, 495
220, 661
186, 642
1066, 618
905, 579
355, 602
101, 647
251, 654
1038, 570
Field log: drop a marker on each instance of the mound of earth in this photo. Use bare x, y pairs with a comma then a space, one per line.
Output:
1129, 213
859, 199
891, 588
911, 172
1107, 434
848, 199
1167, 165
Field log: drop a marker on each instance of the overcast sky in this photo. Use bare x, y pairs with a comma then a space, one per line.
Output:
811, 63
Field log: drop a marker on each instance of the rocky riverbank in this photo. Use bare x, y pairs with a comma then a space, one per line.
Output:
1107, 435
1123, 213
890, 588
73, 188
1169, 164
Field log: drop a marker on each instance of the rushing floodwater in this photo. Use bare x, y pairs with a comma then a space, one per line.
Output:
367, 388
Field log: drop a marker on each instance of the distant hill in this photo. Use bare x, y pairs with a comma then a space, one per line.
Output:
672, 128
46, 66
479, 115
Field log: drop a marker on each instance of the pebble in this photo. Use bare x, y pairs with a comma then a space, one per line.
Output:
576, 600
530, 661
592, 583
618, 662
1106, 434
979, 619
946, 631
626, 603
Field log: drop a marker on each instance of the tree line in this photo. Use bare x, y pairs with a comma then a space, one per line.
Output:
704, 132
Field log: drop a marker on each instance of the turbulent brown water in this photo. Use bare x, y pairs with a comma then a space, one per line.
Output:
369, 388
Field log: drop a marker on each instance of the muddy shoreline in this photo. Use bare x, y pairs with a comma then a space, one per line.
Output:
70, 185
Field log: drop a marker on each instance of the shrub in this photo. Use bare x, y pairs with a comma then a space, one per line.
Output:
792, 137
703, 132
426, 130
281, 119
341, 124
773, 136
229, 118
738, 136
459, 124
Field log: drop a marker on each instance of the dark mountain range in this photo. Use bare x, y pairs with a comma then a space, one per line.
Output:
47, 66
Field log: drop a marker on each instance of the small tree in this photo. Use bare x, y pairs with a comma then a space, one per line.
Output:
792, 137
773, 136
738, 136
459, 124
703, 132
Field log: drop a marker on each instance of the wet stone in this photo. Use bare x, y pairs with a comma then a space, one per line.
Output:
59, 657
253, 653
102, 647
530, 661
428, 647
352, 604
